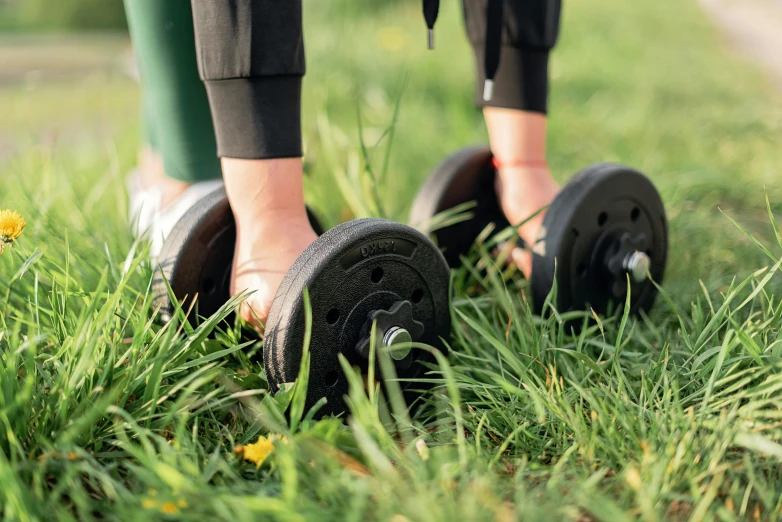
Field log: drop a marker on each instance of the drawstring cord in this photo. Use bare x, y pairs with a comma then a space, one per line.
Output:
431, 7
493, 49
491, 57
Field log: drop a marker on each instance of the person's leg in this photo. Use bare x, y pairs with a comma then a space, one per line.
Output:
511, 46
150, 162
180, 137
524, 183
149, 166
251, 58
177, 164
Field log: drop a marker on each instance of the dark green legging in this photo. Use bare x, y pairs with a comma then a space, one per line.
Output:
177, 121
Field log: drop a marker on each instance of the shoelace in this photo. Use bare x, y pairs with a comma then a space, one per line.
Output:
493, 48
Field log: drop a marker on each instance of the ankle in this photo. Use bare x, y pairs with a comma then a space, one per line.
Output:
525, 176
152, 175
517, 137
265, 192
519, 164
150, 167
523, 191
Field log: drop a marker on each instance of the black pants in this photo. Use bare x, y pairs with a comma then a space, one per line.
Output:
251, 58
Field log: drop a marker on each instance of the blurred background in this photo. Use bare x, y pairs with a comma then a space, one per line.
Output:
684, 90
74, 15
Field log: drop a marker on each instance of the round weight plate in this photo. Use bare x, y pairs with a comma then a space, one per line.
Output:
351, 271
467, 175
600, 209
197, 256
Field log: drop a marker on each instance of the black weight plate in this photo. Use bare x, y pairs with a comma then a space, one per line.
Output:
196, 257
354, 269
599, 205
467, 175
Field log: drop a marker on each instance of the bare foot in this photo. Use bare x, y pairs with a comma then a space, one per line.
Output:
524, 190
524, 184
262, 258
157, 201
272, 228
152, 173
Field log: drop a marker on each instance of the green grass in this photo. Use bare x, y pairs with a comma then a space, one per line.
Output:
105, 414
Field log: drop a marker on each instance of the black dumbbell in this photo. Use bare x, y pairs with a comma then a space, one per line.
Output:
361, 272
607, 224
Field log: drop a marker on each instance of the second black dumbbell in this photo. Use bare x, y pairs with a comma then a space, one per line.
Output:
605, 227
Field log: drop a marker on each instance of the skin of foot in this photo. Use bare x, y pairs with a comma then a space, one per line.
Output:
152, 173
272, 228
524, 183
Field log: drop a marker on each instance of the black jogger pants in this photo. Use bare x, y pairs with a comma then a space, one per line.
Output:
251, 59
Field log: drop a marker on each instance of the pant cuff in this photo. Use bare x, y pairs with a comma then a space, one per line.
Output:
257, 118
521, 82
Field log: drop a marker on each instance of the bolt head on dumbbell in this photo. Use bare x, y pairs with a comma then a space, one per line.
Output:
398, 336
637, 264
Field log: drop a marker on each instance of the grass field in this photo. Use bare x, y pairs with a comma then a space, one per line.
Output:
105, 414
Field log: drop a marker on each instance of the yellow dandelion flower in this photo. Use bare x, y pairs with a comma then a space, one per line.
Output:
169, 508
182, 503
633, 478
259, 451
149, 503
11, 226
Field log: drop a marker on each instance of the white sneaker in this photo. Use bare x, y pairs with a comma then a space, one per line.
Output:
148, 219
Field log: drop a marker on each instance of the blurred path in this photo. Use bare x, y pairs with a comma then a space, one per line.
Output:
60, 56
755, 27
67, 89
